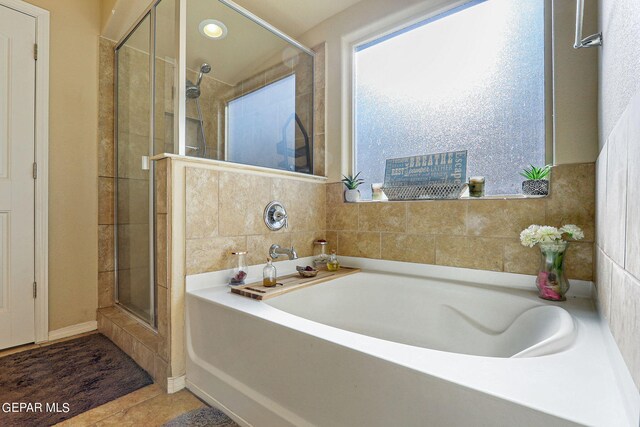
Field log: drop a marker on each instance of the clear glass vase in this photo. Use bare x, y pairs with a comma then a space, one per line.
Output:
551, 281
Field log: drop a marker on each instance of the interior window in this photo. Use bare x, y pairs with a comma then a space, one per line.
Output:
472, 79
262, 126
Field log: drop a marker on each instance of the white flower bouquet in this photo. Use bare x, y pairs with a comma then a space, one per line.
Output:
551, 281
535, 234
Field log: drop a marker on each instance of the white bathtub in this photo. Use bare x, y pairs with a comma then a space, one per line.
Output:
381, 348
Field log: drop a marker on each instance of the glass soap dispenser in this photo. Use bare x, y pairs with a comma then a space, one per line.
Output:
269, 275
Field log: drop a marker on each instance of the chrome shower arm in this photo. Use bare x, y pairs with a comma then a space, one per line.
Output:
590, 41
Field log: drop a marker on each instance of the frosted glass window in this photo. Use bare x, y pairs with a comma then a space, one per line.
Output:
261, 126
470, 79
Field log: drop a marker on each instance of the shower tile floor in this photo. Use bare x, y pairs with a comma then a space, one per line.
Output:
149, 406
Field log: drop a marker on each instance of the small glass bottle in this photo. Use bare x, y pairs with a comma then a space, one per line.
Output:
333, 264
240, 269
269, 275
321, 260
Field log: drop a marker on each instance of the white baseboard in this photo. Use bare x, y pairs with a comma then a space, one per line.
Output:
72, 330
175, 384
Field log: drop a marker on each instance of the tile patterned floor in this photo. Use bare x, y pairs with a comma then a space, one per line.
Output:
149, 406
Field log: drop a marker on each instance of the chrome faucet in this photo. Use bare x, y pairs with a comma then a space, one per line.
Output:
275, 251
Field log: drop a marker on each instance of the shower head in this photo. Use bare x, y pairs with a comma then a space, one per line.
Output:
204, 69
193, 89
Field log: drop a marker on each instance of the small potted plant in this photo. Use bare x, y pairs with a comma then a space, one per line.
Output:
537, 183
352, 194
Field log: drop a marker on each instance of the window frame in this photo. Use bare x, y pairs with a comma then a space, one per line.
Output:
385, 29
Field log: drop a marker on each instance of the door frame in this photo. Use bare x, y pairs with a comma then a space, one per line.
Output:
41, 140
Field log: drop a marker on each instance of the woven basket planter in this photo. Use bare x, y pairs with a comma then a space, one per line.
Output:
535, 187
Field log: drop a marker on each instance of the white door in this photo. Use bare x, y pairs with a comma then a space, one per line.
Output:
17, 115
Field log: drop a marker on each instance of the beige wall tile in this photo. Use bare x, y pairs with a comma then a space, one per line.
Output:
160, 372
579, 261
106, 287
106, 109
387, 216
625, 318
603, 283
432, 217
105, 200
243, 198
503, 218
161, 175
105, 248
335, 193
572, 197
105, 326
319, 154
601, 196
470, 252
144, 335
520, 259
122, 339
332, 240
305, 203
143, 356
632, 252
106, 161
342, 216
409, 247
162, 254
259, 247
366, 245
303, 242
212, 254
163, 311
201, 203
615, 213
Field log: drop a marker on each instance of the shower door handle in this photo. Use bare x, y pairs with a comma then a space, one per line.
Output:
145, 163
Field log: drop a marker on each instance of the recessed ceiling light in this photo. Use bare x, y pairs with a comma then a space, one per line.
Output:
213, 29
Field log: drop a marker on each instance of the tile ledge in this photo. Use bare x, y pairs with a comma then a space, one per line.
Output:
505, 197
237, 167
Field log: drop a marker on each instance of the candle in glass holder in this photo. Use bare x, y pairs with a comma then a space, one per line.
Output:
476, 186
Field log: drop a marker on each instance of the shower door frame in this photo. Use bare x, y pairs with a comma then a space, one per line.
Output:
151, 13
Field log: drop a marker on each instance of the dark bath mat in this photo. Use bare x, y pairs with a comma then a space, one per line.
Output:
203, 417
82, 373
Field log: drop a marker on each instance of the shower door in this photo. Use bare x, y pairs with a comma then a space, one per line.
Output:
134, 175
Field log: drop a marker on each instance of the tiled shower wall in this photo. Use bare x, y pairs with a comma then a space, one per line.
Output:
618, 169
480, 234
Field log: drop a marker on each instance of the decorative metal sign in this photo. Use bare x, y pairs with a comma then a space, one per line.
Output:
439, 168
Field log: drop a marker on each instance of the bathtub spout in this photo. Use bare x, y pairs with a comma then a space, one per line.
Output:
276, 251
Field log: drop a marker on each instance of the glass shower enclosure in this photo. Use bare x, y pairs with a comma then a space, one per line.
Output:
200, 78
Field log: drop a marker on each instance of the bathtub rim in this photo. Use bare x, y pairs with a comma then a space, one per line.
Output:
578, 289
